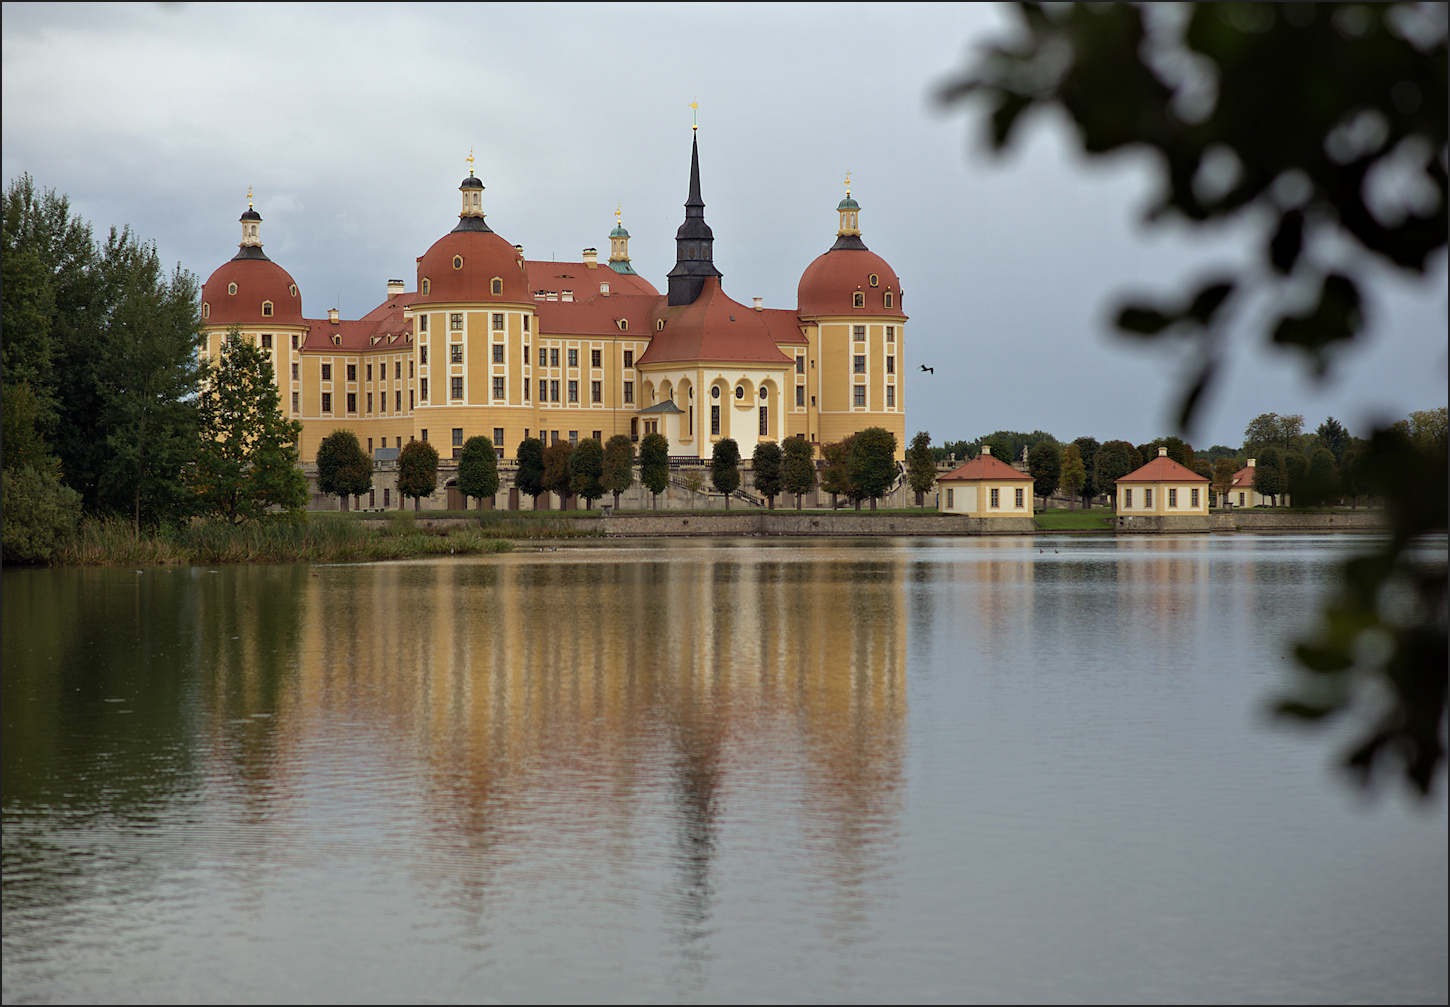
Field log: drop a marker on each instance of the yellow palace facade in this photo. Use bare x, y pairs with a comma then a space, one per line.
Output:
490, 343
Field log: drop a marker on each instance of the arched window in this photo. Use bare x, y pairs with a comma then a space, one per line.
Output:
889, 299
292, 290
660, 325
426, 285
858, 300
205, 310
267, 309
497, 286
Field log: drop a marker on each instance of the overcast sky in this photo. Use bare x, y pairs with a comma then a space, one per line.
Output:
352, 124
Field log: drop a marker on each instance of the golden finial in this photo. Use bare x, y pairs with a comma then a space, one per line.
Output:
470, 162
695, 106
249, 197
617, 212
848, 183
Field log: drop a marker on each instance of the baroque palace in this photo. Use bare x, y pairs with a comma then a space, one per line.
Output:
490, 343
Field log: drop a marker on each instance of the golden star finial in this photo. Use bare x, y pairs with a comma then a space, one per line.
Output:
617, 209
470, 162
249, 197
695, 106
848, 183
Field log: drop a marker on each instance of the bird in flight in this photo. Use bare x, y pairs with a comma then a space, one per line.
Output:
929, 370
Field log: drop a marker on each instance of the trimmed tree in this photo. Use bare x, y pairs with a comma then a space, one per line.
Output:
618, 466
343, 467
1087, 449
836, 477
1114, 460
920, 467
1270, 479
556, 471
1044, 464
654, 465
798, 470
478, 470
765, 465
725, 468
586, 471
1223, 479
872, 465
417, 471
530, 475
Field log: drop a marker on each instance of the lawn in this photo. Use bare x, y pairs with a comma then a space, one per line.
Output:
1094, 519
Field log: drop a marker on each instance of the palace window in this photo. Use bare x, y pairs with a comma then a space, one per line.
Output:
573, 438
554, 356
800, 395
1193, 498
458, 262
739, 392
573, 358
629, 358
422, 358
950, 505
629, 391
634, 428
423, 389
543, 357
458, 437
497, 287
294, 372
370, 402
205, 309
573, 391
327, 402
498, 387
1172, 498
352, 372
426, 285
764, 420
398, 402
231, 288
800, 365
596, 391
890, 396
498, 440
858, 300
397, 370
455, 321
890, 365
553, 391
370, 372
859, 396
498, 353
422, 323
858, 332
860, 363
294, 340
594, 358
498, 321
1017, 498
1127, 499
995, 502
715, 420
295, 398
266, 340
1148, 498
891, 333
455, 353
526, 323
326, 372
456, 388
266, 309
888, 299
352, 402
527, 383
874, 279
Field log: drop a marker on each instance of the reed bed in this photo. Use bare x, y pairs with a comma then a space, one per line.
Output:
110, 542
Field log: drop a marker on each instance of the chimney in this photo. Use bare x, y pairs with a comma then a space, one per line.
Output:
987, 450
604, 288
1251, 462
591, 258
1162, 452
332, 315
758, 306
395, 287
568, 295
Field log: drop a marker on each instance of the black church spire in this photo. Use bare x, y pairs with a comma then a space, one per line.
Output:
694, 242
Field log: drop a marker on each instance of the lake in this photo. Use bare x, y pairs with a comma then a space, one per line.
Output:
940, 770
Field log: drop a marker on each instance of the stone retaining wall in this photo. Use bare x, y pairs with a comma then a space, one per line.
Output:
806, 523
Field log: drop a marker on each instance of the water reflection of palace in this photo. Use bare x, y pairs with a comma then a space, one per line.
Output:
577, 693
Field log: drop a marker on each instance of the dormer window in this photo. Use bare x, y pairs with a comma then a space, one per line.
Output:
426, 285
660, 325
231, 288
624, 325
205, 310
292, 290
889, 299
458, 262
266, 309
496, 286
874, 279
858, 300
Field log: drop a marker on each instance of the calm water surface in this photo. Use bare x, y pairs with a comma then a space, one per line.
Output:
719, 770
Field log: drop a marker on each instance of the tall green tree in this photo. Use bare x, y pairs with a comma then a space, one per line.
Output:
872, 464
618, 466
1087, 447
1074, 472
586, 471
1270, 479
1333, 436
1223, 478
556, 470
343, 467
798, 470
478, 470
247, 463
654, 465
725, 468
417, 471
920, 467
1114, 460
1270, 430
529, 478
836, 473
1044, 464
765, 467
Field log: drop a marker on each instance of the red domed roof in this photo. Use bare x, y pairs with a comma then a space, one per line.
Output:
484, 256
828, 285
258, 280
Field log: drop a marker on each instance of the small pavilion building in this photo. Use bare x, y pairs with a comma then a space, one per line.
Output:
985, 487
1162, 496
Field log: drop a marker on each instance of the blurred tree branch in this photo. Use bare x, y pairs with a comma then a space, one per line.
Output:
1329, 123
